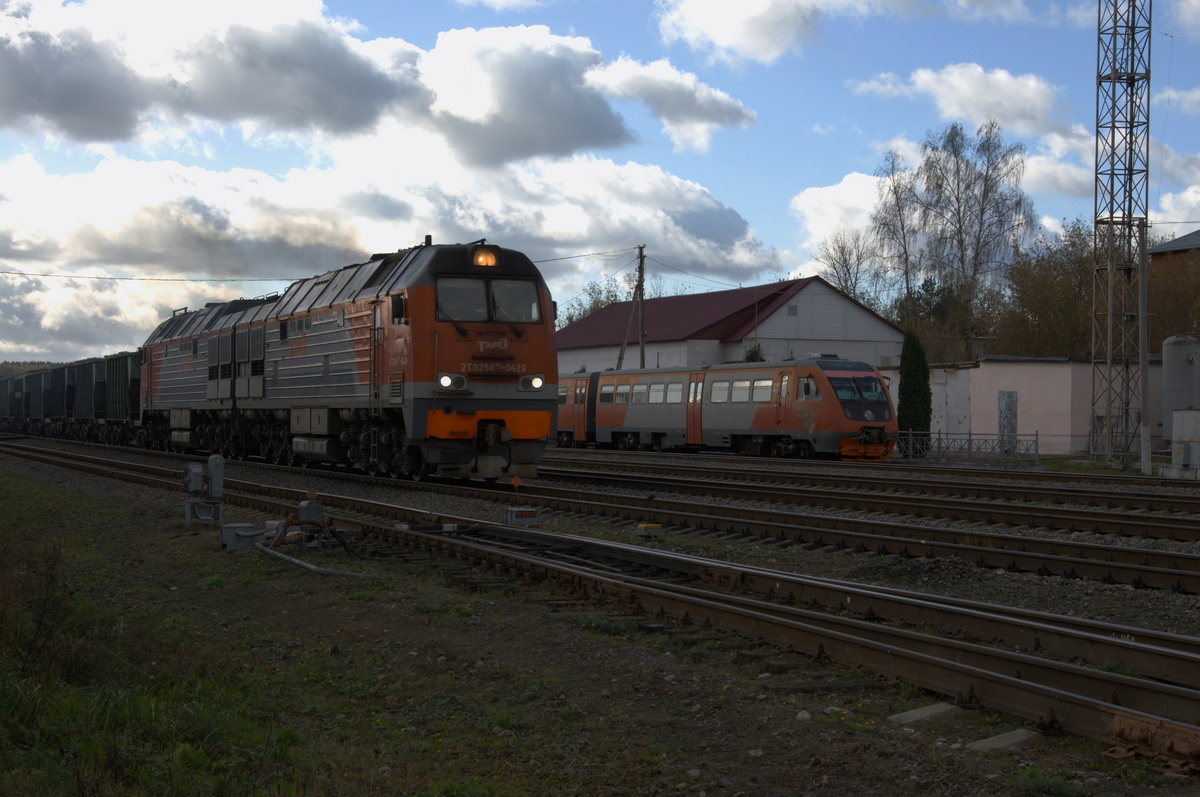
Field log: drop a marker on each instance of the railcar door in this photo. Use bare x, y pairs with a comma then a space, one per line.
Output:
781, 399
695, 429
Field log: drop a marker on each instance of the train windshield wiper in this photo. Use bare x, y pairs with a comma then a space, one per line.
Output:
442, 315
500, 315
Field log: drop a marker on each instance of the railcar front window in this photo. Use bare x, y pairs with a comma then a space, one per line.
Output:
858, 388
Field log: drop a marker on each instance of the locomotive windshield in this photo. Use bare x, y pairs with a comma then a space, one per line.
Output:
476, 299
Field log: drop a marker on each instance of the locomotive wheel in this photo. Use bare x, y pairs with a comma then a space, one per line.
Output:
804, 450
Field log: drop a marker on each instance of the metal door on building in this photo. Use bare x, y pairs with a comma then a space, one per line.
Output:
1007, 415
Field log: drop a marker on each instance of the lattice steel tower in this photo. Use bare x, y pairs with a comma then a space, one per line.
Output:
1122, 198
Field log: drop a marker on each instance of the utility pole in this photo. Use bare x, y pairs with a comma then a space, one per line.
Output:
1119, 323
637, 306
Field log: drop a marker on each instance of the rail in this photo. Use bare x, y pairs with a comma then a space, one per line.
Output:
1002, 449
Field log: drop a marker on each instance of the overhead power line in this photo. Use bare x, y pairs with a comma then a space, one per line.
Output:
150, 279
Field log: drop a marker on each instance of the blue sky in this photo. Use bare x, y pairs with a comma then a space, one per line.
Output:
158, 154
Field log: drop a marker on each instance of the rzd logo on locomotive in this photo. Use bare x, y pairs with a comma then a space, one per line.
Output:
489, 345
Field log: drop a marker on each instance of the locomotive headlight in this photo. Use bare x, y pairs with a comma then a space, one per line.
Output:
454, 382
532, 382
485, 256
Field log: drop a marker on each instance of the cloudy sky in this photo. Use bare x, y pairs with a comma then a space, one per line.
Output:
157, 154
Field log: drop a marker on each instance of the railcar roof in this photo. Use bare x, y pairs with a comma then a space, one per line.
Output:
823, 363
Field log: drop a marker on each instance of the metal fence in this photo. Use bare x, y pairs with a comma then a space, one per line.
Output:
970, 448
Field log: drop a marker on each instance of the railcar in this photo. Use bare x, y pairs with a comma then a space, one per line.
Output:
437, 359
823, 406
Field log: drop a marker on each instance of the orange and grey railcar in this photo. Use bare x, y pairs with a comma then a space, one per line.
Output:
823, 406
434, 360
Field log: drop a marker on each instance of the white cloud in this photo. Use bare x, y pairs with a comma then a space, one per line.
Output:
1024, 104
827, 209
504, 94
756, 30
501, 5
766, 30
689, 110
1183, 100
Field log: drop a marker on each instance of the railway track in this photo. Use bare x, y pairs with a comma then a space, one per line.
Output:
1132, 511
1007, 547
1056, 672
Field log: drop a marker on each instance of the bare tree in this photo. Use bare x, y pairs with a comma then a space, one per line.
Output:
895, 228
850, 265
950, 226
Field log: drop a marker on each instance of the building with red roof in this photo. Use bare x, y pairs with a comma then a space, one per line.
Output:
782, 320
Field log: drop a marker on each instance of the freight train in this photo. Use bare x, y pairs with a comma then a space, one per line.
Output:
824, 406
433, 360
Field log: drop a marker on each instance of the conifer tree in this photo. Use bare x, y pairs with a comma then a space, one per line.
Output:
915, 410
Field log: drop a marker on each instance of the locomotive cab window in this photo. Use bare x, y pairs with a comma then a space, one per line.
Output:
475, 299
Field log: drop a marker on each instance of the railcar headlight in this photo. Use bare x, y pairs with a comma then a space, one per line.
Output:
532, 382
447, 381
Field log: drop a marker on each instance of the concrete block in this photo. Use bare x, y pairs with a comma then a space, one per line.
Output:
1006, 741
925, 713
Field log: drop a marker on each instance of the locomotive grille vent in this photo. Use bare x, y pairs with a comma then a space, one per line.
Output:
396, 392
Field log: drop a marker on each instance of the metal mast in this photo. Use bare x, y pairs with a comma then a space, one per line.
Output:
1122, 198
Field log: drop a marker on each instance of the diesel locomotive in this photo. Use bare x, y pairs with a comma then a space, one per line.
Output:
433, 360
824, 406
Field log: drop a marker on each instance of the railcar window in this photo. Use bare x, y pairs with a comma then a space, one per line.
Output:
562, 394
719, 392
741, 391
580, 393
606, 394
783, 387
675, 393
762, 390
639, 394
807, 390
622, 394
657, 392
